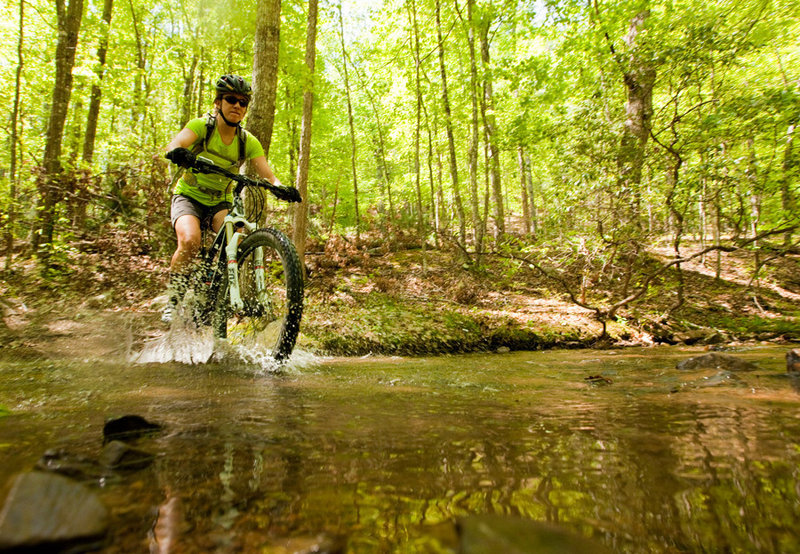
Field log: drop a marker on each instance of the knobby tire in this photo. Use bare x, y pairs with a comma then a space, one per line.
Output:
270, 319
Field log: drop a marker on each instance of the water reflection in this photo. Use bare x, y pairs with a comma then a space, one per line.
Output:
386, 453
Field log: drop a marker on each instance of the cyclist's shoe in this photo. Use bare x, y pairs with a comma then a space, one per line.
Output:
166, 314
169, 310
178, 283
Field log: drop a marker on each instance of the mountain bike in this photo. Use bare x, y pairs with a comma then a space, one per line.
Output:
248, 285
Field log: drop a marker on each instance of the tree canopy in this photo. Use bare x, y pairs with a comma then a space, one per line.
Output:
595, 125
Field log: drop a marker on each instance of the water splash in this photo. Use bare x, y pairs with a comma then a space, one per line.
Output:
186, 343
183, 342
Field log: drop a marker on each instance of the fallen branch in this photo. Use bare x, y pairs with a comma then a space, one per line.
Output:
609, 313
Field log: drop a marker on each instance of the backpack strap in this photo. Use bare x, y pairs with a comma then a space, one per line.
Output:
202, 144
241, 134
211, 123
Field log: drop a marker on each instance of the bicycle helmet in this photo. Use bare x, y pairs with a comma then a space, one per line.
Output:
234, 83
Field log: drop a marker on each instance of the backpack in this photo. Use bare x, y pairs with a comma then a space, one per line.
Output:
202, 145
211, 123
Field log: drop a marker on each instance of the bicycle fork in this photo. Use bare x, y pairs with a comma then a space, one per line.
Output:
237, 305
234, 290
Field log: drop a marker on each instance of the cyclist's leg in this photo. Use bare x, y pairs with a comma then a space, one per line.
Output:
218, 218
187, 230
186, 218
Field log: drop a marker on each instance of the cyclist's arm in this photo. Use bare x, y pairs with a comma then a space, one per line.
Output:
184, 139
264, 170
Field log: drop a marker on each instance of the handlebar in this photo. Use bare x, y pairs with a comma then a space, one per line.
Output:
290, 194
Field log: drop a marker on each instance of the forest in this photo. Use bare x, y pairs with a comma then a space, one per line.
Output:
590, 150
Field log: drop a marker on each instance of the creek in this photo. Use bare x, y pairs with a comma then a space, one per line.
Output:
384, 454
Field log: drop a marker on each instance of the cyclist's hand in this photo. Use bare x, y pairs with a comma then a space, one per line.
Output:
182, 157
290, 194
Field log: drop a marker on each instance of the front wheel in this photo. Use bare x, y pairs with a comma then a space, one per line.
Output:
271, 287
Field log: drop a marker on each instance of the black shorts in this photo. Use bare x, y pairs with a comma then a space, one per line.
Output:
183, 205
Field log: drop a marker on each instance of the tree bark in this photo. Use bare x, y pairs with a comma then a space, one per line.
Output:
790, 166
353, 149
523, 185
96, 95
69, 23
451, 145
477, 222
639, 81
412, 16
138, 116
490, 129
301, 211
265, 71
188, 90
531, 194
12, 177
381, 154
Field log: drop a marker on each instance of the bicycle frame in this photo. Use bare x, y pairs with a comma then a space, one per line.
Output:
235, 228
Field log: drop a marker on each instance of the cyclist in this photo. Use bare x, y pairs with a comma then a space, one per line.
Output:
201, 200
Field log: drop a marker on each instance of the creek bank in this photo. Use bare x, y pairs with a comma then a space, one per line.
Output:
401, 303
382, 326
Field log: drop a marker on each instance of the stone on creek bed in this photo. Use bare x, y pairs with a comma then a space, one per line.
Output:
119, 455
128, 427
45, 512
715, 360
494, 534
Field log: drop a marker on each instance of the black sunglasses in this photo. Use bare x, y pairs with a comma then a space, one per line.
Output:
243, 102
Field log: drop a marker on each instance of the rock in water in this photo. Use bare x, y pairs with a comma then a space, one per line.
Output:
494, 534
715, 360
128, 427
793, 360
118, 455
45, 511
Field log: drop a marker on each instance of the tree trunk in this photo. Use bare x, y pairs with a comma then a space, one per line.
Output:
301, 211
436, 204
12, 177
523, 185
353, 150
136, 108
790, 166
69, 23
384, 168
639, 80
94, 102
188, 90
477, 223
201, 78
451, 145
490, 126
265, 71
415, 50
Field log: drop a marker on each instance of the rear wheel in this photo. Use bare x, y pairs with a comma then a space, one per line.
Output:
271, 287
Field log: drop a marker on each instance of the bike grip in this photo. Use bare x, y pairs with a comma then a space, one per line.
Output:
182, 157
290, 194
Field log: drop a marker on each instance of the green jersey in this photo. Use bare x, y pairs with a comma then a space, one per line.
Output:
213, 189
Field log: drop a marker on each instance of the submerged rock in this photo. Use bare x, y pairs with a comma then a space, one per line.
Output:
793, 360
128, 427
118, 455
715, 360
46, 512
321, 544
70, 465
493, 534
